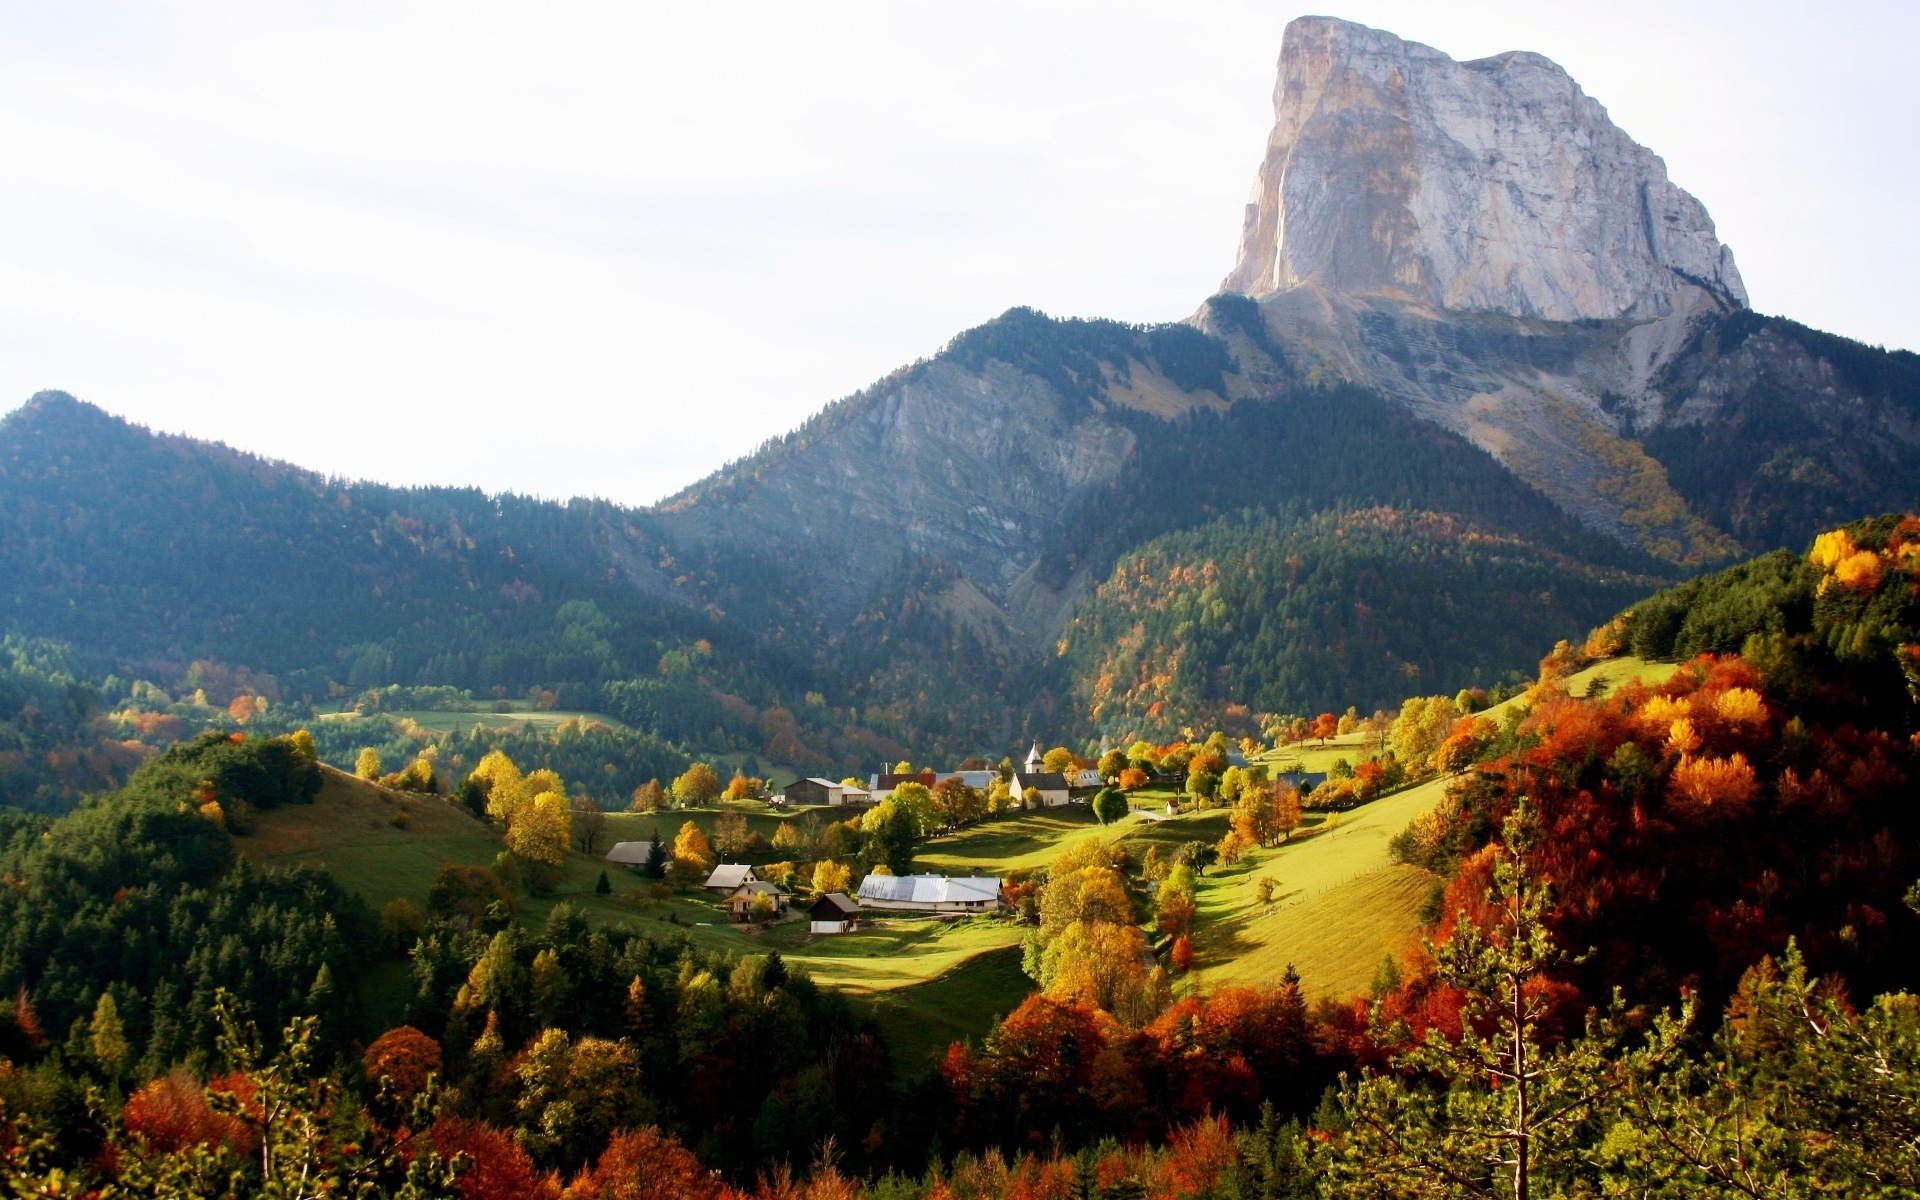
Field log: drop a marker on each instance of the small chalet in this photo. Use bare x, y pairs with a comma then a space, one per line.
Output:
728, 876
631, 855
882, 785
1086, 777
932, 893
1041, 789
834, 912
740, 900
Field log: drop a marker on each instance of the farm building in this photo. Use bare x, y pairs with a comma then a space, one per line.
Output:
741, 900
854, 796
631, 855
834, 913
728, 876
882, 785
931, 893
1041, 789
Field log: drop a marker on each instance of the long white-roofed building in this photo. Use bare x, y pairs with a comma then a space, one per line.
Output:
932, 893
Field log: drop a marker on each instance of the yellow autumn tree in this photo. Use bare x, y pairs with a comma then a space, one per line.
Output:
697, 785
1088, 948
1105, 965
501, 781
691, 847
830, 876
542, 830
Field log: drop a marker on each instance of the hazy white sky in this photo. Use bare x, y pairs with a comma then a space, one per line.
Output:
601, 249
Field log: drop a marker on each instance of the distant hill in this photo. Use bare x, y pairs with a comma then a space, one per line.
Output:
1301, 616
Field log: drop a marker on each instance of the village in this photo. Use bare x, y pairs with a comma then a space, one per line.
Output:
1053, 780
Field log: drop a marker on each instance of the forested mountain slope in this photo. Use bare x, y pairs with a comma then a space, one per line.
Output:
153, 549
1303, 615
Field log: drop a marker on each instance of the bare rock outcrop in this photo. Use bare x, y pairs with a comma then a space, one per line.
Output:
1496, 185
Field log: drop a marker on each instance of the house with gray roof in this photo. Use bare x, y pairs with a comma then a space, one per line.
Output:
728, 876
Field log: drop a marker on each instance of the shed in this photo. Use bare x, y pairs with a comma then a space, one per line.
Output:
834, 912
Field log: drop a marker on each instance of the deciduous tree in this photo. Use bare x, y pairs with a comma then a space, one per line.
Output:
690, 846
697, 785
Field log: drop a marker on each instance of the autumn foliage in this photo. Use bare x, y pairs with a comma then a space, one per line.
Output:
645, 1164
405, 1056
498, 1166
1055, 1063
171, 1113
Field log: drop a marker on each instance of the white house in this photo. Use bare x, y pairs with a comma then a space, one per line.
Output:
727, 878
1088, 778
632, 855
740, 901
931, 893
834, 913
1042, 789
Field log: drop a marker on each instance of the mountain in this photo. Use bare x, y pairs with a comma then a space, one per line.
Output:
1462, 294
1480, 242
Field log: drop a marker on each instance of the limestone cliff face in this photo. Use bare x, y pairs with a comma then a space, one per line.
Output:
1496, 185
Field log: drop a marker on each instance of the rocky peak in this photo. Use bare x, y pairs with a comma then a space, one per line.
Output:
1496, 185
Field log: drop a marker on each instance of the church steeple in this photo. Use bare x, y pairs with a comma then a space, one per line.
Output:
1034, 760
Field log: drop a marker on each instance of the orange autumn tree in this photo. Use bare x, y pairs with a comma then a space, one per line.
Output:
645, 1164
498, 1167
404, 1056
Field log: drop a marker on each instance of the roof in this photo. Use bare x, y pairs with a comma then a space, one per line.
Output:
728, 876
829, 783
630, 854
834, 906
930, 889
1046, 781
755, 887
884, 783
974, 779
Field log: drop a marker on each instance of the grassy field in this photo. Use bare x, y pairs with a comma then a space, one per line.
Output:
1337, 868
442, 721
920, 1021
1312, 756
349, 829
1019, 842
